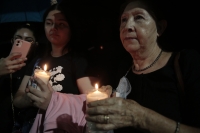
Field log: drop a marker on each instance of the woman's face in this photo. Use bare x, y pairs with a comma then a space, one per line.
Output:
137, 29
57, 29
24, 34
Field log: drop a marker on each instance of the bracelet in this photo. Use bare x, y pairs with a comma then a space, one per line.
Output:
177, 127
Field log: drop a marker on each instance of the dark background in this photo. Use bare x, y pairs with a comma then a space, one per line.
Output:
99, 23
99, 29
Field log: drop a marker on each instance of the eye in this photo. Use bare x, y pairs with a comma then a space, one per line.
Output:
123, 19
17, 37
48, 23
63, 25
138, 17
29, 40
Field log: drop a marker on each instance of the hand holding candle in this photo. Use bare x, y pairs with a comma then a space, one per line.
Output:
93, 96
42, 74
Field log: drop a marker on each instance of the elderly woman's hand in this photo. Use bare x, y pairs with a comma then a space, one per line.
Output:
113, 113
10, 64
40, 98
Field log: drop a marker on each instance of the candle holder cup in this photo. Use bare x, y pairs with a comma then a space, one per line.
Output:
93, 96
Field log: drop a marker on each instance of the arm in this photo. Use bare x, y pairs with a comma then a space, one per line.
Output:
20, 99
66, 112
10, 64
85, 84
124, 113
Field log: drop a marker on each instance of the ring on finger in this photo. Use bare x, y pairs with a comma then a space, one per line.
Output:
106, 118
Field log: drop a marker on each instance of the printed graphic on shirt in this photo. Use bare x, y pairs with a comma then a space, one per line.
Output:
55, 78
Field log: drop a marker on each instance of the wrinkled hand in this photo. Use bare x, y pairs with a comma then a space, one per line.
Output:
40, 98
10, 64
121, 113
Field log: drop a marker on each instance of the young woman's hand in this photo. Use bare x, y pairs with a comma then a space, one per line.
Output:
11, 64
40, 98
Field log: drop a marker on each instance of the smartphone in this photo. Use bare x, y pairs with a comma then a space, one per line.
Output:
21, 46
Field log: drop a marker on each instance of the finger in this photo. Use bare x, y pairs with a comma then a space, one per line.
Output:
117, 119
104, 102
107, 89
35, 91
14, 55
16, 66
18, 60
41, 84
114, 94
114, 121
34, 99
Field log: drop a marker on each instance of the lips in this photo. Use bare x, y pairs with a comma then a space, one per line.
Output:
52, 35
129, 38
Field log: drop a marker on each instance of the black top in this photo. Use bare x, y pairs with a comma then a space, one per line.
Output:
65, 70
6, 112
158, 90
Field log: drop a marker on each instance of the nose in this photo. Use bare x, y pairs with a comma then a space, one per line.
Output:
55, 26
130, 25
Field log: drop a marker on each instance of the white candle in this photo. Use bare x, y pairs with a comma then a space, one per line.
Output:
96, 95
42, 74
93, 96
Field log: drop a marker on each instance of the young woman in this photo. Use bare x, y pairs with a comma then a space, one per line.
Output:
12, 72
68, 69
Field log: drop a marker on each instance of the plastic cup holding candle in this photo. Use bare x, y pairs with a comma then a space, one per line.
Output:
93, 96
43, 75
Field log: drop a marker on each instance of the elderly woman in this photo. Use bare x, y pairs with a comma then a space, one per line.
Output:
151, 102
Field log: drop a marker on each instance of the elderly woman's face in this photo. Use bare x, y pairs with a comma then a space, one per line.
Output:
137, 29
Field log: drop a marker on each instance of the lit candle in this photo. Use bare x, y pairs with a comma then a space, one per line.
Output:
96, 95
93, 96
42, 74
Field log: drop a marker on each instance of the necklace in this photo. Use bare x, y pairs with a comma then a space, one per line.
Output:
149, 65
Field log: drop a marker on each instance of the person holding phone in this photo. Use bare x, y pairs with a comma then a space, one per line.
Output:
68, 67
12, 69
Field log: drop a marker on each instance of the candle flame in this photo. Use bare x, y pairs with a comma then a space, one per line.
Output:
45, 67
96, 87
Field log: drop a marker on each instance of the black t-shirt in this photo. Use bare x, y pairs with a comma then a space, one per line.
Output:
158, 90
65, 70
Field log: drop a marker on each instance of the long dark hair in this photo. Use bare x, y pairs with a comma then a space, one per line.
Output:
70, 17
